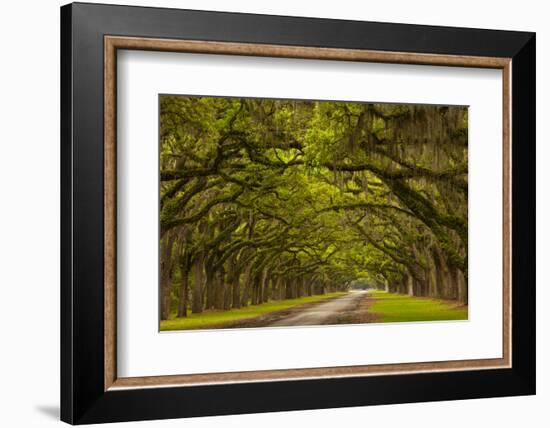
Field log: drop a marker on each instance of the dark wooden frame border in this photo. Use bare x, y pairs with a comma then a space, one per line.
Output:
114, 43
90, 390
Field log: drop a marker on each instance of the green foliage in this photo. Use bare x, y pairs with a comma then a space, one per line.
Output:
268, 194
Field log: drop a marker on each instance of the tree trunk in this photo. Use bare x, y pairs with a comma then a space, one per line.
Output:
264, 296
462, 287
288, 288
446, 279
309, 287
184, 289
246, 285
210, 285
228, 292
219, 289
198, 274
165, 275
236, 292
410, 284
256, 288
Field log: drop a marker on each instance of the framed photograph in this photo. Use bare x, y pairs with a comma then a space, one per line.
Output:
266, 213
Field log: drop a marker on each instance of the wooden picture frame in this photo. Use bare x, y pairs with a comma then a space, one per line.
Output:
91, 390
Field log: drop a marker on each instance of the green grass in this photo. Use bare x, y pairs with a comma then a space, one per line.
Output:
402, 308
217, 319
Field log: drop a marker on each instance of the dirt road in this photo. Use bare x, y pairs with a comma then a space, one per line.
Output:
321, 313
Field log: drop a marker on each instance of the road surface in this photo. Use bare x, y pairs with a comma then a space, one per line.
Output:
323, 312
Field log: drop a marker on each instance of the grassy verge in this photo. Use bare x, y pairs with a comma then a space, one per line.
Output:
217, 319
402, 308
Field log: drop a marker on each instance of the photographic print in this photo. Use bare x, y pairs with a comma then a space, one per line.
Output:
283, 212
325, 201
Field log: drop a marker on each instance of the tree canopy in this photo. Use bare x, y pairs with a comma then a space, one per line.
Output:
269, 199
